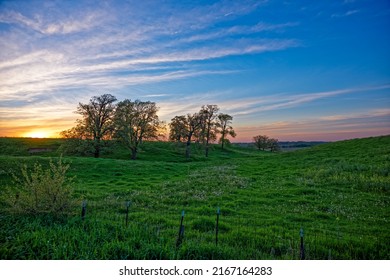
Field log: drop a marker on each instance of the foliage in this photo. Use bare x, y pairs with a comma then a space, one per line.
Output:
184, 128
273, 145
96, 123
41, 191
135, 122
225, 128
178, 129
208, 132
202, 127
338, 192
263, 142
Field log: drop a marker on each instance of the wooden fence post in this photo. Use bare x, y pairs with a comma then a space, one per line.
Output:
217, 226
181, 230
127, 212
302, 249
83, 209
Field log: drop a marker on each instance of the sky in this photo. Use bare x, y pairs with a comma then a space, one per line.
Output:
292, 70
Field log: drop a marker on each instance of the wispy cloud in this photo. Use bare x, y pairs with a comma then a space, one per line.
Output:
384, 112
250, 107
45, 70
285, 101
323, 128
59, 26
238, 30
55, 54
119, 47
346, 14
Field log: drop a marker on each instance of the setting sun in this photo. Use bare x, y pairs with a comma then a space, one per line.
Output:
37, 134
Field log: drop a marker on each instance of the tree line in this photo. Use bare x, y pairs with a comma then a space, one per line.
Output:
202, 127
132, 122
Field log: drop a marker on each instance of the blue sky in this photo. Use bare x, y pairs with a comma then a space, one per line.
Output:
293, 70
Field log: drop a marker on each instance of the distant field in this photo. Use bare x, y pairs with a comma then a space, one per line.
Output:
337, 192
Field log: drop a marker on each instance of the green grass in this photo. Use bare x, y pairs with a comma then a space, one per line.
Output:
337, 192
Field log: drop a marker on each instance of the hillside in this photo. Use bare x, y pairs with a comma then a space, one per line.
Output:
337, 192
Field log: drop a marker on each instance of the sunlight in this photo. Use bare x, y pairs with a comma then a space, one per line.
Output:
37, 134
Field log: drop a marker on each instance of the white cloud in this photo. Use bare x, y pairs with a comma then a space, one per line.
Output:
346, 14
45, 70
59, 26
280, 101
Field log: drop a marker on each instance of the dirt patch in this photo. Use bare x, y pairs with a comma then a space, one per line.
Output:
39, 150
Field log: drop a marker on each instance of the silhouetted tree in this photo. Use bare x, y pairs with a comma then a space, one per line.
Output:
261, 141
96, 123
273, 145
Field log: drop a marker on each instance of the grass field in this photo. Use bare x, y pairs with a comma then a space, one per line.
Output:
337, 192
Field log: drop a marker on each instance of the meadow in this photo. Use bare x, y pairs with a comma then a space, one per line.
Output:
338, 193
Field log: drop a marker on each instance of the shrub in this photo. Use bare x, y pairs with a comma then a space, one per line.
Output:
41, 191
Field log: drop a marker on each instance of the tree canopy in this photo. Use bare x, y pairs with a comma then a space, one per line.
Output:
134, 122
225, 128
203, 127
96, 121
263, 142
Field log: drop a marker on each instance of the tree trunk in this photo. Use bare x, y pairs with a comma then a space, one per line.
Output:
207, 139
188, 145
134, 153
97, 147
188, 149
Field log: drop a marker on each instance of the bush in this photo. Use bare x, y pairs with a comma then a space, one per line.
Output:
41, 191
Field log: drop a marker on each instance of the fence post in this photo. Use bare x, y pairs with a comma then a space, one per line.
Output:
302, 250
83, 209
127, 212
216, 226
181, 230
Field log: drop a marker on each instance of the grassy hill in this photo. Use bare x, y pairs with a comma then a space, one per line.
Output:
337, 192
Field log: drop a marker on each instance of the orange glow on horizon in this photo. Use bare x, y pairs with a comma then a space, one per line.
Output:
38, 134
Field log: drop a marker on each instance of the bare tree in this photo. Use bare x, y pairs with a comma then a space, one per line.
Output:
97, 120
224, 128
136, 121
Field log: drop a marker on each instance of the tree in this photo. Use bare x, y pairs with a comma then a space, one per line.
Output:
178, 128
273, 145
97, 120
193, 122
135, 122
261, 141
184, 127
208, 115
224, 127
